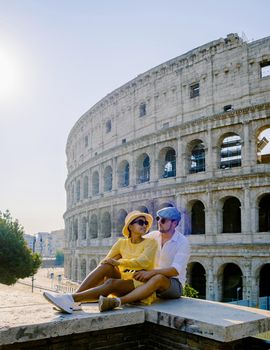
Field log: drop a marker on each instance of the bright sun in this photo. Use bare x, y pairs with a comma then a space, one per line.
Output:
9, 79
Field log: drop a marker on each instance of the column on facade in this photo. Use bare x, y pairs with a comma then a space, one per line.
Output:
181, 160
209, 161
246, 212
154, 163
210, 283
132, 170
114, 175
247, 281
101, 178
245, 149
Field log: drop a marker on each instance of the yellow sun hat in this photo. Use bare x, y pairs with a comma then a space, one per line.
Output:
134, 215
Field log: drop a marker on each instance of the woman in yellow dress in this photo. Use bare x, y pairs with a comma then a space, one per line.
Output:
114, 274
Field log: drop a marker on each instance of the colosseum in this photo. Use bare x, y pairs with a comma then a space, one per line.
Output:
192, 132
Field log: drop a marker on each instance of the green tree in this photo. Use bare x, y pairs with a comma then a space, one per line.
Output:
190, 292
16, 259
59, 258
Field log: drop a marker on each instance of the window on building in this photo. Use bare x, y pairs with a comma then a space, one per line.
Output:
108, 126
197, 157
121, 215
106, 225
78, 190
93, 228
265, 69
142, 109
86, 141
264, 214
169, 164
75, 229
194, 90
83, 269
123, 174
84, 228
230, 152
197, 218
232, 215
227, 108
108, 179
95, 183
143, 168
263, 146
85, 187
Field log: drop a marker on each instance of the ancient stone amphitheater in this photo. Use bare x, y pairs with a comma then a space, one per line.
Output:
192, 132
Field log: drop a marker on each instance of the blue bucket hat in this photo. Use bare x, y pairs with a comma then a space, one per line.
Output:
170, 213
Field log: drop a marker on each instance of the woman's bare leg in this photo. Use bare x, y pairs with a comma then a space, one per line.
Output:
116, 286
97, 276
158, 282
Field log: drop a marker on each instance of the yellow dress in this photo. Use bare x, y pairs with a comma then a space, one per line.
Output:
135, 257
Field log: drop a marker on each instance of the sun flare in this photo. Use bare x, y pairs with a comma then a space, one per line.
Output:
9, 75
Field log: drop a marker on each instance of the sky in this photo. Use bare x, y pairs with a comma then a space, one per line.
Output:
59, 57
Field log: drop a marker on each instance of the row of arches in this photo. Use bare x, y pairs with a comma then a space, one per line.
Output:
229, 280
229, 156
102, 226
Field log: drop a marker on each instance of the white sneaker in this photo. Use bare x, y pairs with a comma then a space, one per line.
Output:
64, 302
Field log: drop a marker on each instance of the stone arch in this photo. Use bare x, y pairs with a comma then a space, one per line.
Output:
264, 281
121, 215
196, 156
106, 225
264, 213
93, 227
230, 282
166, 204
83, 269
231, 215
230, 155
123, 174
167, 162
143, 209
143, 168
197, 217
78, 190
93, 264
95, 183
263, 144
85, 187
84, 228
108, 179
75, 229
197, 278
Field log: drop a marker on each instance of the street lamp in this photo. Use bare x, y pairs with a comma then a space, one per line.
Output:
33, 249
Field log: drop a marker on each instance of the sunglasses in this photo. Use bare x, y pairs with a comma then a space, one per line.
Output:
162, 220
140, 222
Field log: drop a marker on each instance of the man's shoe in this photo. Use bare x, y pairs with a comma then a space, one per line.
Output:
63, 302
105, 304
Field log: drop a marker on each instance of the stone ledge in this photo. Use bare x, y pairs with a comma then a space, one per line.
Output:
213, 320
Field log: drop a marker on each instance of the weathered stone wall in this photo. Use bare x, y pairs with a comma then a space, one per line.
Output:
146, 336
228, 73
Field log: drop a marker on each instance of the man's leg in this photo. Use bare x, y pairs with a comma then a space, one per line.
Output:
97, 276
116, 286
156, 283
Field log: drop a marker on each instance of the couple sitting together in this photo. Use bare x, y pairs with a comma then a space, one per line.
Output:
138, 267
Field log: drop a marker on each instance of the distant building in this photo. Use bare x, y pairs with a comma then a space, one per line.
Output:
30, 239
